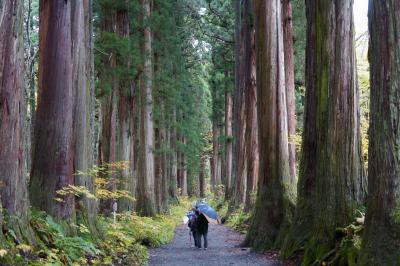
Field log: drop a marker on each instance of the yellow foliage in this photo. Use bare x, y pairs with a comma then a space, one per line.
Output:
104, 186
296, 140
24, 248
3, 252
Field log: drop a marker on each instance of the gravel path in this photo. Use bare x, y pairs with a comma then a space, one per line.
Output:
222, 250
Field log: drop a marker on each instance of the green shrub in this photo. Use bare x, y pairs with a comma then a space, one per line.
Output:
125, 242
239, 220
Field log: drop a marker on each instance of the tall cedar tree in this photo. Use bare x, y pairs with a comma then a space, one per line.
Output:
173, 158
274, 201
381, 243
126, 128
215, 178
13, 190
107, 148
228, 143
52, 165
332, 181
146, 192
239, 123
116, 143
289, 79
83, 88
250, 90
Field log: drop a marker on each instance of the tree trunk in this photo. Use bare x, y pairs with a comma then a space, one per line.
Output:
146, 197
289, 80
82, 86
173, 159
218, 180
108, 139
52, 165
184, 170
13, 190
239, 107
107, 154
228, 144
332, 181
274, 201
117, 141
251, 136
157, 166
179, 166
202, 178
239, 126
164, 168
381, 243
125, 120
215, 153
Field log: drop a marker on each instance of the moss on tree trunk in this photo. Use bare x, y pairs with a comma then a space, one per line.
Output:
52, 165
332, 181
275, 202
13, 191
381, 243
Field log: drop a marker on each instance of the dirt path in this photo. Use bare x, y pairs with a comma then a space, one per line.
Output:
222, 250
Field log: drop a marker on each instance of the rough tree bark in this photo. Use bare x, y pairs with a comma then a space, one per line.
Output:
274, 203
160, 160
173, 159
164, 167
108, 139
84, 94
125, 119
289, 80
179, 164
228, 144
239, 125
13, 189
107, 147
117, 141
332, 181
157, 164
184, 170
202, 177
251, 136
52, 165
215, 141
381, 243
222, 154
146, 197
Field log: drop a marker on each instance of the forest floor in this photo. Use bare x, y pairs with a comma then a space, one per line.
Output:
223, 249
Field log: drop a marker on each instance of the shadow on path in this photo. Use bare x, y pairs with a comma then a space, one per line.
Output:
222, 250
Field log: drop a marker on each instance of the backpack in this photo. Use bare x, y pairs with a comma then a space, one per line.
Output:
192, 222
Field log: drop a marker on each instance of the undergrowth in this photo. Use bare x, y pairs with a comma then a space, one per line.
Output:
124, 242
349, 240
238, 218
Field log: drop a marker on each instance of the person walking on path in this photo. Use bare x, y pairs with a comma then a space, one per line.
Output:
192, 224
201, 229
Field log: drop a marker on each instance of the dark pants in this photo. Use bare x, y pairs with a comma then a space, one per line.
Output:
198, 239
194, 237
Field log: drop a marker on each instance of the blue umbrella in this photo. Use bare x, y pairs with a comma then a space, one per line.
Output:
210, 214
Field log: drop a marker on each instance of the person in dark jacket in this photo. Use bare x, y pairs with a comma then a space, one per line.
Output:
192, 225
201, 229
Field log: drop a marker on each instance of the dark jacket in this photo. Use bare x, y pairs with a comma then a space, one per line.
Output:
202, 224
193, 223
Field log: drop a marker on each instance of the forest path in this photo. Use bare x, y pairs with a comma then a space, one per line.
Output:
222, 250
